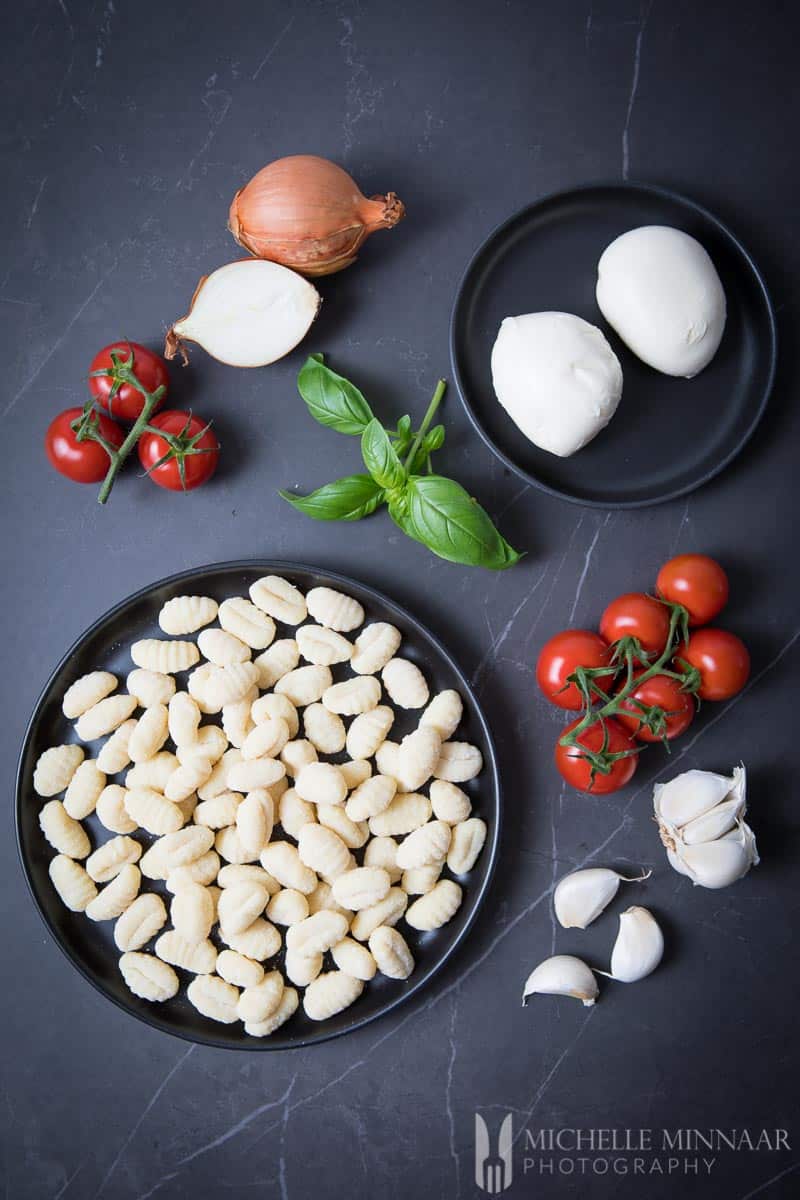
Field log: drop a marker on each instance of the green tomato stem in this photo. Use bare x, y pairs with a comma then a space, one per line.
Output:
118, 457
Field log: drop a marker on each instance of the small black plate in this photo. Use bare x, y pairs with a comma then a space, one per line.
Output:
668, 436
90, 946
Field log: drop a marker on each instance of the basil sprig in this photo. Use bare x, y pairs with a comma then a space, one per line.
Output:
426, 506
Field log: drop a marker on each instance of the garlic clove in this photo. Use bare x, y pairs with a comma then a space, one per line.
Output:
580, 897
562, 975
720, 863
714, 823
639, 946
689, 795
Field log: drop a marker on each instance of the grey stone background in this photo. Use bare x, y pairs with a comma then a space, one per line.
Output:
127, 127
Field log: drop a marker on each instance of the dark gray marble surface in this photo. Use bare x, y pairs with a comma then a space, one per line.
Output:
127, 128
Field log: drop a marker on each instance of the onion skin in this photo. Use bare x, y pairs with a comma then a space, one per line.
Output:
306, 213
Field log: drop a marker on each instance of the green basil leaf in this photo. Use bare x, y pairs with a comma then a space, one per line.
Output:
434, 439
380, 456
347, 499
332, 400
404, 428
443, 516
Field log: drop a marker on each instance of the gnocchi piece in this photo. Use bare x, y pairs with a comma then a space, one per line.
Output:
407, 812
368, 730
240, 904
84, 789
150, 687
281, 658
192, 912
183, 718
154, 773
236, 721
112, 812
322, 899
229, 846
371, 797
387, 911
287, 907
317, 933
187, 778
108, 861
219, 812
217, 782
304, 685
323, 851
426, 845
165, 658
353, 696
382, 852
273, 705
417, 757
255, 817
355, 772
266, 740
153, 863
197, 687
324, 729
104, 717
354, 959
214, 998
259, 1001
66, 835
187, 614
287, 1008
321, 783
361, 887
198, 957
148, 977
334, 609
203, 871
443, 713
458, 762
239, 970
257, 773
375, 646
405, 683
113, 756
150, 733
466, 844
296, 755
323, 647
222, 648
183, 847
152, 811
294, 813
139, 923
280, 599
225, 685
55, 768
247, 873
449, 802
436, 907
283, 862
260, 940
116, 896
353, 833
391, 953
387, 758
301, 969
246, 622
75, 888
209, 744
86, 692
416, 881
330, 993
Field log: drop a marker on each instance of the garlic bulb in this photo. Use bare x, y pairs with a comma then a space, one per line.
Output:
639, 946
701, 822
579, 898
562, 975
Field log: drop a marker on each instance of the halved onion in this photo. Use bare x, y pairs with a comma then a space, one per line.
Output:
247, 314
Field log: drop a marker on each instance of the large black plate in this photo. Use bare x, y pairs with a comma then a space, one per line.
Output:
90, 947
668, 436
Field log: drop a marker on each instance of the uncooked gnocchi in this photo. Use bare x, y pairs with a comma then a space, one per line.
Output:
55, 768
86, 692
165, 658
249, 624
405, 683
187, 614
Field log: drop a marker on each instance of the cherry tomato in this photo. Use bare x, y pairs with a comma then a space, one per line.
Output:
637, 615
698, 583
149, 368
577, 770
82, 462
666, 693
721, 658
189, 442
560, 656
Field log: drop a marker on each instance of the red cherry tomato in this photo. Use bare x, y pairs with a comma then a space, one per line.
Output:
560, 656
149, 368
189, 442
698, 583
82, 462
666, 694
637, 615
721, 658
577, 770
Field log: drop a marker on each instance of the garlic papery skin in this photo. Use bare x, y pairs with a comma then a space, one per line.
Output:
713, 845
562, 975
579, 898
639, 947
